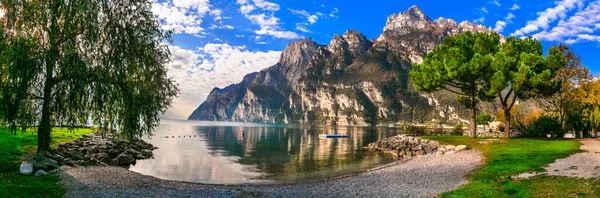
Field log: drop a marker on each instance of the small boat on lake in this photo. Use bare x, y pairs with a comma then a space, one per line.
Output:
333, 135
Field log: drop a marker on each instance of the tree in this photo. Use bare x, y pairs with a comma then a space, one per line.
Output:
572, 75
96, 60
484, 119
460, 65
520, 71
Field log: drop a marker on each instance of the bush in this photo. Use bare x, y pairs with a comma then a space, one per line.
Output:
501, 127
439, 131
415, 130
457, 130
543, 126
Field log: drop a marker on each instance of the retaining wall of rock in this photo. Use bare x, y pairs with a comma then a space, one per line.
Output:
403, 146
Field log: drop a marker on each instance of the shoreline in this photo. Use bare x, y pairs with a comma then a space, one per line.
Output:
417, 177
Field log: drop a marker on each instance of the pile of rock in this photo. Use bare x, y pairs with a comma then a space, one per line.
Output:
403, 146
89, 151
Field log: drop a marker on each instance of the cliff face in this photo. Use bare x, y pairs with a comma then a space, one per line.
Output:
351, 81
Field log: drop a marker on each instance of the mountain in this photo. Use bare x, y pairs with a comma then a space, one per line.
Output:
351, 81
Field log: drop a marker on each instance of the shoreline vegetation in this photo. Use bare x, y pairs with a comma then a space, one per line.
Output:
15, 147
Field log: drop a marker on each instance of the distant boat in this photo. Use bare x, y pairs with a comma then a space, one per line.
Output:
333, 135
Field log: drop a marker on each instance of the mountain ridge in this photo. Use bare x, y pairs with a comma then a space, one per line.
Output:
350, 81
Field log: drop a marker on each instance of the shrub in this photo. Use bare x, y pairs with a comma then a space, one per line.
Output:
415, 130
501, 127
438, 131
457, 130
545, 125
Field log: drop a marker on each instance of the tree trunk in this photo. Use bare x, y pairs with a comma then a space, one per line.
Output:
45, 126
472, 119
506, 123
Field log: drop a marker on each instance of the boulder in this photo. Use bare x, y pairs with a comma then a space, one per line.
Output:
45, 164
104, 158
114, 153
450, 148
140, 156
26, 168
132, 152
461, 148
123, 160
434, 144
40, 173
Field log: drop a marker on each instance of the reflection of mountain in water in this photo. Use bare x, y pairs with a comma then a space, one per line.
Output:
298, 151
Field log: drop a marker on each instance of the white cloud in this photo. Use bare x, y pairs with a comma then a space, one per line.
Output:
509, 17
216, 14
483, 9
334, 13
265, 5
221, 26
500, 26
213, 65
246, 9
495, 2
311, 18
578, 27
268, 23
184, 16
549, 15
515, 7
479, 20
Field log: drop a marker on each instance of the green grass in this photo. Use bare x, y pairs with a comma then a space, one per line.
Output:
13, 147
508, 158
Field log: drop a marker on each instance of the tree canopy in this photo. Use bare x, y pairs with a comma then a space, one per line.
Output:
460, 65
71, 62
520, 71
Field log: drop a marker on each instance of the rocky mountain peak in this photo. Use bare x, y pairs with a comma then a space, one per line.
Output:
416, 11
298, 53
358, 44
337, 44
406, 22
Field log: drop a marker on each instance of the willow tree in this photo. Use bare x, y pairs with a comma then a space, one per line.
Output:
461, 65
98, 60
520, 71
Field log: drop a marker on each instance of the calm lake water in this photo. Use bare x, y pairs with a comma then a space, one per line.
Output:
218, 153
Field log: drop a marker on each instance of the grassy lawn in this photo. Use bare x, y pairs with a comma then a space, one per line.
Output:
506, 158
12, 147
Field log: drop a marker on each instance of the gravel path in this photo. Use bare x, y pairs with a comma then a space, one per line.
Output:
424, 176
583, 165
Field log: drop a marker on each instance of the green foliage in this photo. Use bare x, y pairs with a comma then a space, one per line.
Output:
415, 130
484, 119
457, 130
77, 60
459, 65
12, 147
545, 125
521, 69
507, 158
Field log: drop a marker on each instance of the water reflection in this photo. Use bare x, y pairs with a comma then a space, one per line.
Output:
264, 154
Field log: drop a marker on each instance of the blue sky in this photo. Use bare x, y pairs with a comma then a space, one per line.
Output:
217, 42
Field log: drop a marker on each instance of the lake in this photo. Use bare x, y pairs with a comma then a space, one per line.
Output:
220, 153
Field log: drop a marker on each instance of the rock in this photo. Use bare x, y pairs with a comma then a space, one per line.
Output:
60, 159
113, 153
104, 158
450, 148
434, 144
40, 173
140, 156
132, 152
461, 148
45, 164
428, 149
450, 152
123, 160
26, 168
